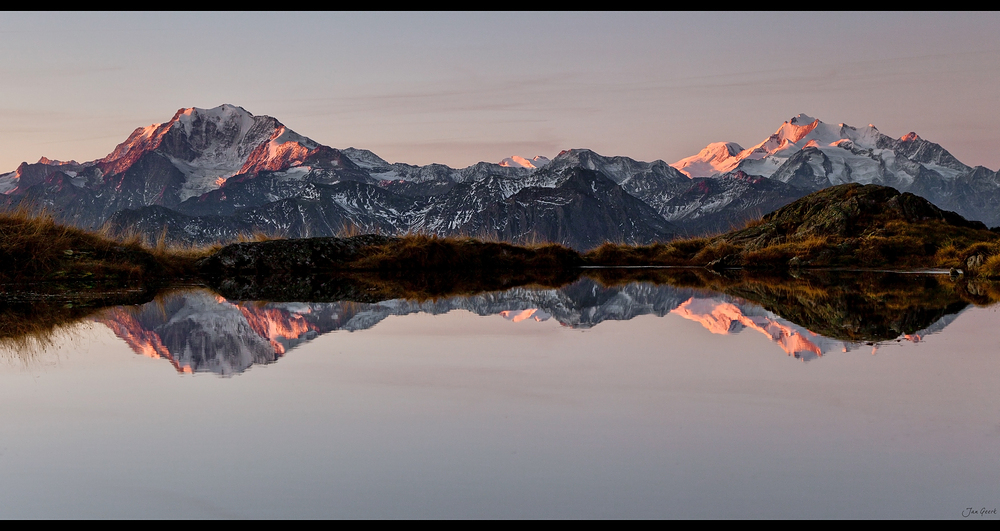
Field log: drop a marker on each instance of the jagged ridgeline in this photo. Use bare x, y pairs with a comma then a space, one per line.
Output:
213, 175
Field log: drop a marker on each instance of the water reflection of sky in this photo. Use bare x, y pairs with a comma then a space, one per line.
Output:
460, 415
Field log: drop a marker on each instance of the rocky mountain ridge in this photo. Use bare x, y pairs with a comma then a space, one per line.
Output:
812, 155
210, 175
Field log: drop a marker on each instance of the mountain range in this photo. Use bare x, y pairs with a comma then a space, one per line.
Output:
210, 175
199, 331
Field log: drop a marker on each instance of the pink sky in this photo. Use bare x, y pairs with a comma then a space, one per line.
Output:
458, 88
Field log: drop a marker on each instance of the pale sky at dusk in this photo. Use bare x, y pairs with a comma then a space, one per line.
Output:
458, 88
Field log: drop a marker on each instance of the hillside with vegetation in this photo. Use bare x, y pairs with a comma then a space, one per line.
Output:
847, 226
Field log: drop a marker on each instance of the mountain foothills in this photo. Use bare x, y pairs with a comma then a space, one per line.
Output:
211, 175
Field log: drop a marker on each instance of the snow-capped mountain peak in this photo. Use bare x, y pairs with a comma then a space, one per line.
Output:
793, 135
190, 118
210, 145
716, 158
521, 162
835, 154
802, 120
49, 162
798, 127
366, 159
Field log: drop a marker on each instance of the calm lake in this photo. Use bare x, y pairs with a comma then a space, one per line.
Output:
635, 401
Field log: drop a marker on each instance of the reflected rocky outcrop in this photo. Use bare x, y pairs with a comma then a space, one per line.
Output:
200, 331
723, 314
854, 307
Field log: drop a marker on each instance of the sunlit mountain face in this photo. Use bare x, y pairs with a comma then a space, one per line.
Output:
851, 154
199, 331
810, 154
209, 175
516, 161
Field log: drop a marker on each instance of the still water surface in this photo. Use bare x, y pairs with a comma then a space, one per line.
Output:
634, 402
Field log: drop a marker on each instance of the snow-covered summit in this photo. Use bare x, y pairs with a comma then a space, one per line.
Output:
210, 145
716, 158
515, 161
366, 159
50, 162
839, 154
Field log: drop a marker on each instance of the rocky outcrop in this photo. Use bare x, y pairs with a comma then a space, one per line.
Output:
844, 212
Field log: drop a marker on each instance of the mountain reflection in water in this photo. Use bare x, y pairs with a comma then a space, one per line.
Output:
197, 330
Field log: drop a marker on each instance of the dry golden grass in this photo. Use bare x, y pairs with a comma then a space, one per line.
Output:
34, 247
809, 248
29, 327
714, 251
750, 223
531, 240
949, 255
423, 252
350, 229
986, 254
258, 236
675, 253
29, 324
991, 267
